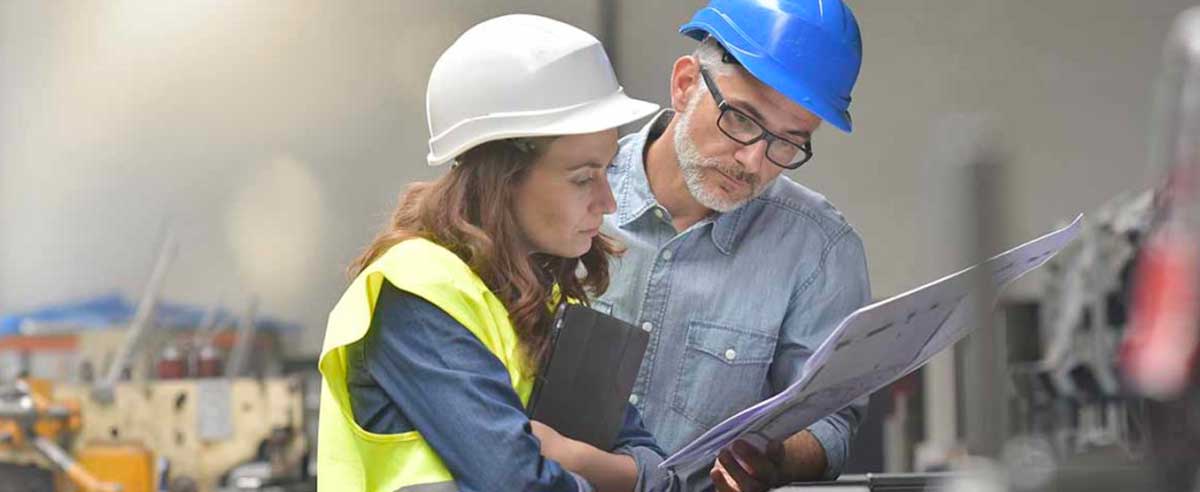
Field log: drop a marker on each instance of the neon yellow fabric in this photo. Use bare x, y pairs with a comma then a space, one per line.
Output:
351, 458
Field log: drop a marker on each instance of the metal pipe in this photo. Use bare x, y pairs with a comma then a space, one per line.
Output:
103, 390
245, 340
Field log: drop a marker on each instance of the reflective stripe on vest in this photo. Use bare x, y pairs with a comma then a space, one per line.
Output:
430, 487
349, 458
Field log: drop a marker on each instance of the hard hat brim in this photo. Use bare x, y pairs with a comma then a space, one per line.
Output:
602, 114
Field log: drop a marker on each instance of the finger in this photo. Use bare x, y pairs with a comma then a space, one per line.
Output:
720, 479
744, 481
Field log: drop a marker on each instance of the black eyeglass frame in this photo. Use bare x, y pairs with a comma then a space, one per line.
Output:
805, 149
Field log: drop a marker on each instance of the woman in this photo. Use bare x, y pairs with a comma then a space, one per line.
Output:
429, 355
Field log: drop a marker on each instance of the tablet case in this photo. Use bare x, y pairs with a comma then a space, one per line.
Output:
584, 384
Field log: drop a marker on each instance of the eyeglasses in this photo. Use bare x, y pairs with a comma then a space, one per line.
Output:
741, 128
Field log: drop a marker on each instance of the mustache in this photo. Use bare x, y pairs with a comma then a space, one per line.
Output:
735, 172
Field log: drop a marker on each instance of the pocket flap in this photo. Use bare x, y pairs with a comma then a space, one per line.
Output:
730, 345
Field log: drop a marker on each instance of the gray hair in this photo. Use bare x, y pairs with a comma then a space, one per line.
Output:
710, 53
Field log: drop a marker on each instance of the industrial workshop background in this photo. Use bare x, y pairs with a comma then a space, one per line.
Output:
259, 145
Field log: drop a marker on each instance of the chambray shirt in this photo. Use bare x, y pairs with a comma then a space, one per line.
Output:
418, 368
735, 304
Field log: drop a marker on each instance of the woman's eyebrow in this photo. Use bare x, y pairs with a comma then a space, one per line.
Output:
587, 164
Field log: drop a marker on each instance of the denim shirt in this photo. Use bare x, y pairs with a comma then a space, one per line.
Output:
735, 304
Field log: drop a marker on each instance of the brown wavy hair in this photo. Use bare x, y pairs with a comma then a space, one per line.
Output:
471, 212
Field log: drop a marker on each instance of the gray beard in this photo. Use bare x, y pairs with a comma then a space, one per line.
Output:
692, 164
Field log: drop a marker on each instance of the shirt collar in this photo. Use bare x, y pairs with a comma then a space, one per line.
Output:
636, 199
634, 191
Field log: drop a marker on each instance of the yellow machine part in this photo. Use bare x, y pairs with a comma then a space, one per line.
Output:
130, 465
42, 392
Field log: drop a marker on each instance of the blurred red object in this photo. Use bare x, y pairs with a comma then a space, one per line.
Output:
171, 364
1159, 353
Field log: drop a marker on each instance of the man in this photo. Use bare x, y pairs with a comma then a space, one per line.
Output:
739, 273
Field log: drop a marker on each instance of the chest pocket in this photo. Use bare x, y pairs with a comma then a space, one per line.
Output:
723, 371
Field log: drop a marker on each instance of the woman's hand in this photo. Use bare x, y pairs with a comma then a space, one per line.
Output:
566, 451
607, 472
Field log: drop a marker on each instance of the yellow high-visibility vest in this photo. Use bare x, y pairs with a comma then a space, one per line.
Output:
350, 458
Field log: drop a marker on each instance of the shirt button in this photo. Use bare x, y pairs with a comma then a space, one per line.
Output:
647, 326
667, 255
730, 354
658, 213
633, 399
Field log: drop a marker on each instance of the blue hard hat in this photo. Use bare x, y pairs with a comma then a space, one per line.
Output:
808, 50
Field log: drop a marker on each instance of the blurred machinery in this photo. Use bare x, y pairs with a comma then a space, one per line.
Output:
1120, 318
31, 421
1072, 394
1160, 353
1094, 384
1071, 408
157, 398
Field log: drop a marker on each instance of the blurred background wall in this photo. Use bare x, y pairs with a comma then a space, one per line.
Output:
273, 137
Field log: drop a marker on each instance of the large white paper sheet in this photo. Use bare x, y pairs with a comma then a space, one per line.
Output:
878, 344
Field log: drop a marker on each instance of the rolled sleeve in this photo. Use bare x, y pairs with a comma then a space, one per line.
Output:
581, 484
636, 442
647, 461
835, 433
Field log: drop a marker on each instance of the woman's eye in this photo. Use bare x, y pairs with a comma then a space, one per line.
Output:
584, 181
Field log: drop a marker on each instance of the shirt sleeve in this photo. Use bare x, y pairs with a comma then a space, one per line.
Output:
636, 442
458, 395
839, 286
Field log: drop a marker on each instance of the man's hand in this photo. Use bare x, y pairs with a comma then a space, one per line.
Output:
741, 468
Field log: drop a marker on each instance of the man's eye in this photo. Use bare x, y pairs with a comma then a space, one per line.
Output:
743, 120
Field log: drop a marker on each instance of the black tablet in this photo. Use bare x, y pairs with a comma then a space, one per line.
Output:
584, 383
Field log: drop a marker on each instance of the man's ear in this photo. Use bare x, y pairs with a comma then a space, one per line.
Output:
684, 77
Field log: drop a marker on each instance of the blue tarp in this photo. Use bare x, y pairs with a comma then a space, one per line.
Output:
114, 309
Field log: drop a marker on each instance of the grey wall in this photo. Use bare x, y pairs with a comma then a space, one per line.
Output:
274, 139
272, 136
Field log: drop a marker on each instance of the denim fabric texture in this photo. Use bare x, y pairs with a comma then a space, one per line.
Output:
735, 304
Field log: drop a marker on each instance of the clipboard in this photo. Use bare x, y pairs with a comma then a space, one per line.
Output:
584, 383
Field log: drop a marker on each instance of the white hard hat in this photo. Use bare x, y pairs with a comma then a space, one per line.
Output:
522, 76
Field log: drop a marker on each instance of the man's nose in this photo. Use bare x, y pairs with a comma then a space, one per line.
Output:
752, 157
